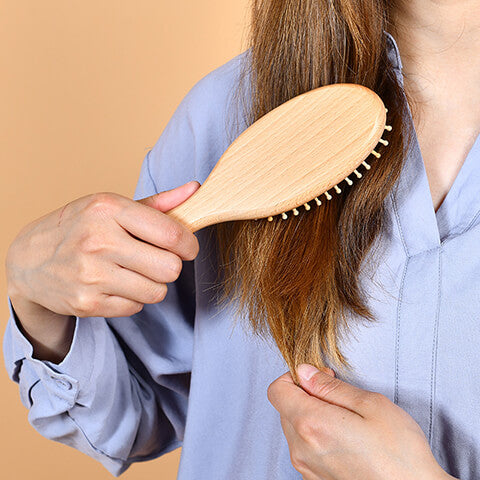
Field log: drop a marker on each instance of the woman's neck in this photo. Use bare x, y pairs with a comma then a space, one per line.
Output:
441, 28
439, 42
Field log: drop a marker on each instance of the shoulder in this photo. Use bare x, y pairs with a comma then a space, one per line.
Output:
203, 125
213, 93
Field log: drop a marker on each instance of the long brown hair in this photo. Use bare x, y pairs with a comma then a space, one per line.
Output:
298, 279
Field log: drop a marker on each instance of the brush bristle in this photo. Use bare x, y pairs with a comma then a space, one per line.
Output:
349, 182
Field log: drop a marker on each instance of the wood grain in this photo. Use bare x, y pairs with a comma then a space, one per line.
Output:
294, 153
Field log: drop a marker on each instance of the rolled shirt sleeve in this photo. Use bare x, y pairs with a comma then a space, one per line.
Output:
120, 394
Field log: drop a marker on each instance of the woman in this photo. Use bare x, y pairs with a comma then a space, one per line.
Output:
125, 384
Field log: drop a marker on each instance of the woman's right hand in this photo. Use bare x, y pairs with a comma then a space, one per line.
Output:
102, 255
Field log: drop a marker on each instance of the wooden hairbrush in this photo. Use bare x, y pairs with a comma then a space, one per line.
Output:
290, 156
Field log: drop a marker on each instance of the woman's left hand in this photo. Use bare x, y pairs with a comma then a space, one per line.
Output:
336, 431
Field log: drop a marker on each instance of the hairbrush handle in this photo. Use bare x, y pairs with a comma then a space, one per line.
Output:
196, 212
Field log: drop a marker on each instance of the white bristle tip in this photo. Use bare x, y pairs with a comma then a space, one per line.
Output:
284, 216
337, 189
366, 165
348, 181
376, 154
319, 202
295, 211
388, 128
383, 142
270, 219
307, 206
329, 197
357, 173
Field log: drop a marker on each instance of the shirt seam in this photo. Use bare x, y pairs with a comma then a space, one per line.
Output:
194, 143
29, 396
397, 331
470, 223
433, 371
90, 443
397, 217
402, 238
150, 173
128, 460
461, 232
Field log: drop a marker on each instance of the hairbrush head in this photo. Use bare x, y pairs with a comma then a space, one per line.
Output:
290, 156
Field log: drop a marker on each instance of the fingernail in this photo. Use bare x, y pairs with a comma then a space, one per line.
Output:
306, 371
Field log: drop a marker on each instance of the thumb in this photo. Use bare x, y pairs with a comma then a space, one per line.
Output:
326, 387
169, 199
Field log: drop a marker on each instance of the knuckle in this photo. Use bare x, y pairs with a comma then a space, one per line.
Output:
305, 428
297, 460
326, 388
157, 293
175, 265
173, 234
135, 307
85, 304
194, 249
271, 392
103, 203
93, 242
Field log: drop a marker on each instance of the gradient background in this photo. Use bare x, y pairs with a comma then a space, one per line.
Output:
86, 89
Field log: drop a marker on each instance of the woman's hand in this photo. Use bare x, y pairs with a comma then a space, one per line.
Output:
102, 255
336, 431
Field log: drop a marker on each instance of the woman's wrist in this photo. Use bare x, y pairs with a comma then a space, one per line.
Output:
49, 333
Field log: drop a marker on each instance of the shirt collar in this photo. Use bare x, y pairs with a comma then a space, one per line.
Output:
421, 227
393, 51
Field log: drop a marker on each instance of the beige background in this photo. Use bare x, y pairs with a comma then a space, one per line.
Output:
86, 88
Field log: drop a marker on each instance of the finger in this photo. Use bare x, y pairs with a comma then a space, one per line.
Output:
158, 229
118, 307
168, 199
329, 371
331, 389
293, 402
133, 286
159, 265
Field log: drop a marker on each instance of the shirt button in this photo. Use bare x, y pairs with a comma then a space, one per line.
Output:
65, 384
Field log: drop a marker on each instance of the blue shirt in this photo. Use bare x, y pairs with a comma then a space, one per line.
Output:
179, 373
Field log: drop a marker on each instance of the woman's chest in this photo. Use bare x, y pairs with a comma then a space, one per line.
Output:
445, 141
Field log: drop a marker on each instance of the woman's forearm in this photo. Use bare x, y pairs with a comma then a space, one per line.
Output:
50, 333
